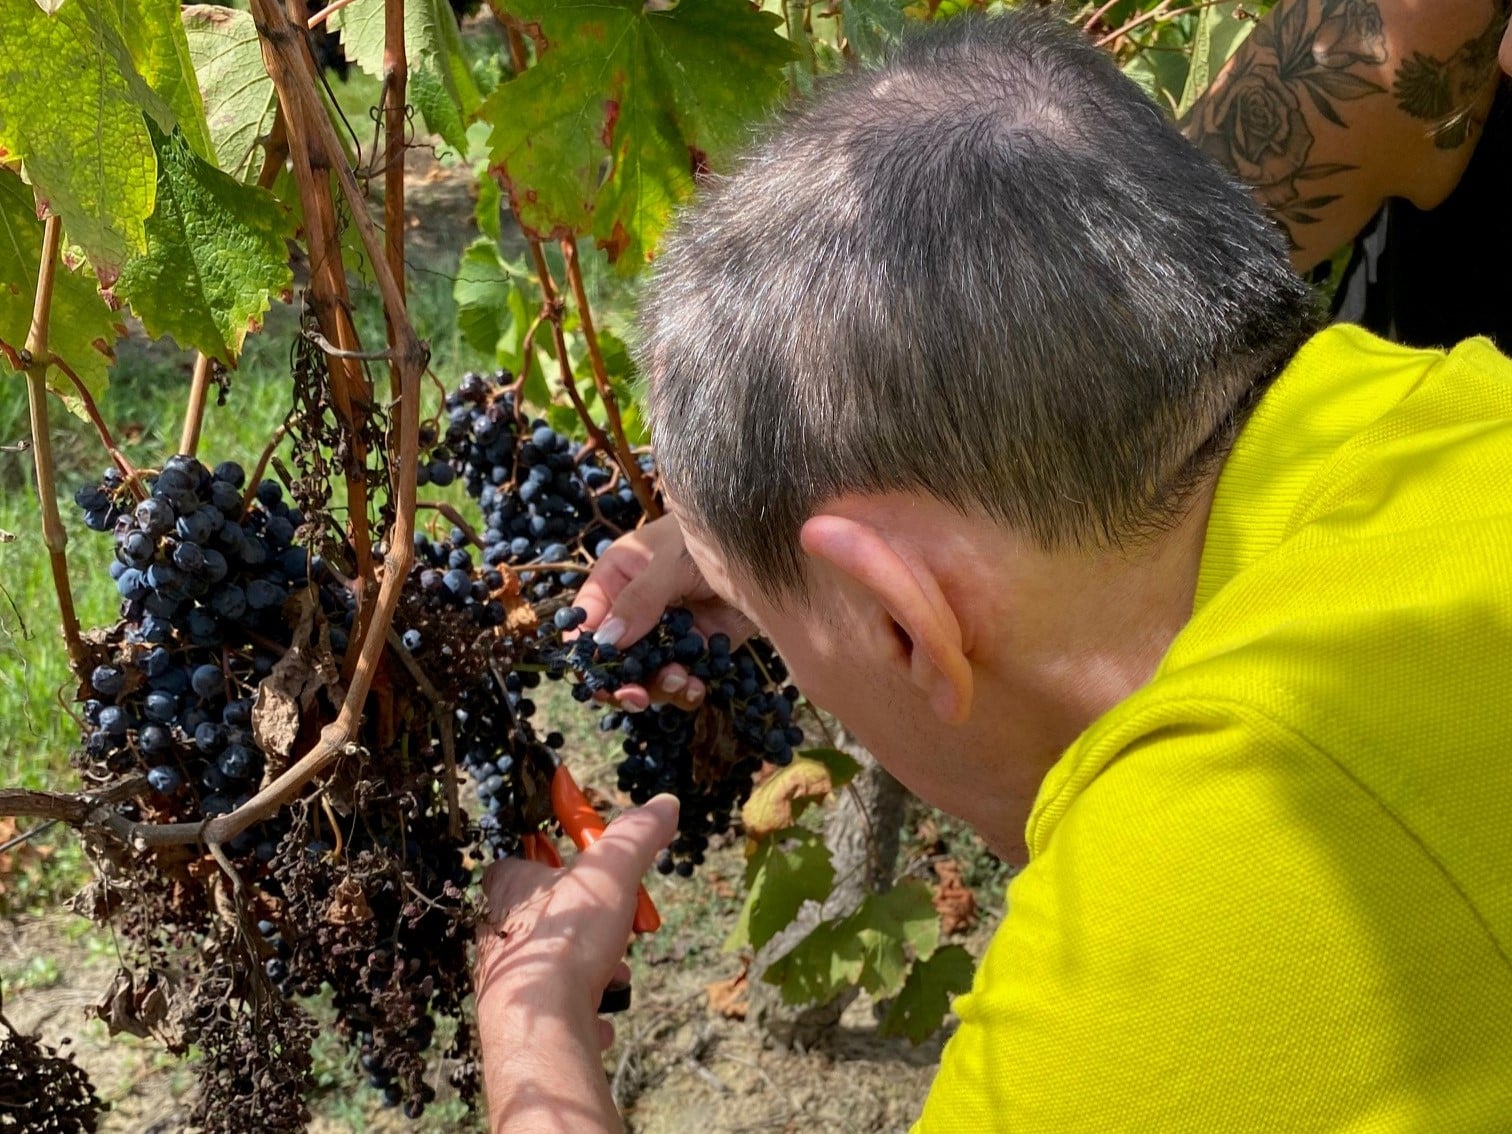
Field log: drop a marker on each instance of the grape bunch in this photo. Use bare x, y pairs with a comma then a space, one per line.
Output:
544, 498
203, 577
747, 718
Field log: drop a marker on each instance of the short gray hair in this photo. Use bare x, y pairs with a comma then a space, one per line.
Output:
990, 270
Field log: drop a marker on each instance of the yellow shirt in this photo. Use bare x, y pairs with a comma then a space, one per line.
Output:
1272, 890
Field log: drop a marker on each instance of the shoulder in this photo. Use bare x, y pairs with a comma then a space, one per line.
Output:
1222, 931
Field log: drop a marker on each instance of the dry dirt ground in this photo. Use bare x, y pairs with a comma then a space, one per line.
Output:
678, 1066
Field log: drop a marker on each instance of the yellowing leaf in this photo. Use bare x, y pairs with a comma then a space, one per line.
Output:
83, 328
72, 113
240, 101
154, 31
783, 795
925, 997
653, 93
216, 255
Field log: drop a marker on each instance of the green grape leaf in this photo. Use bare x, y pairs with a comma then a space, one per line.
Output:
493, 312
625, 103
872, 26
789, 868
240, 102
819, 967
440, 84
1219, 33
82, 327
885, 923
1160, 65
154, 30
72, 114
870, 948
920, 1007
487, 213
216, 255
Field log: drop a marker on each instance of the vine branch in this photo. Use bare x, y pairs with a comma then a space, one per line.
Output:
54, 535
622, 452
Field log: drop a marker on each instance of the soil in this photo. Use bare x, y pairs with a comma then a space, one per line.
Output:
679, 1065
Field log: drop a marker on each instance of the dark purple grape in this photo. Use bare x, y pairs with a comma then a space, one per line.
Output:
108, 681
207, 681
164, 779
155, 516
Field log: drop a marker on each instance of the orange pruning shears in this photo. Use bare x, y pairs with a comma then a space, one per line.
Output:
584, 827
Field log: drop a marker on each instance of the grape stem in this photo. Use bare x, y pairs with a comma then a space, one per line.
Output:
454, 516
315, 154
128, 471
442, 711
619, 447
622, 452
194, 412
36, 360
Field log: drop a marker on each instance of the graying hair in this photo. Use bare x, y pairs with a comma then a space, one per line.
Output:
991, 271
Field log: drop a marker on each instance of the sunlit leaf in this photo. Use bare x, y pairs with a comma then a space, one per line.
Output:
82, 329
788, 869
240, 101
96, 168
626, 101
216, 255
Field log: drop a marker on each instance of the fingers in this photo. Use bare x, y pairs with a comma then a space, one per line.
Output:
627, 559
673, 685
605, 1034
640, 602
612, 867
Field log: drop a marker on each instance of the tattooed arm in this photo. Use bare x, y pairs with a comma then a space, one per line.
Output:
1332, 106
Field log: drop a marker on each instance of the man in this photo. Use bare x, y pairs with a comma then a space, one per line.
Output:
996, 406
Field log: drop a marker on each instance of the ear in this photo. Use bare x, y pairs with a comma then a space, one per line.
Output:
905, 587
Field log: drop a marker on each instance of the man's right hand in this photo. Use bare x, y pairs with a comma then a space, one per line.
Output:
630, 586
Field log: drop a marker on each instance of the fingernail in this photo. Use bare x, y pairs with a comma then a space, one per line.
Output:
610, 631
695, 694
673, 682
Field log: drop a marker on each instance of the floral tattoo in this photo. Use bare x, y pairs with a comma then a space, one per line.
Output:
1257, 125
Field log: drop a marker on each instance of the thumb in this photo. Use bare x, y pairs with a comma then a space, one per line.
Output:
630, 844
639, 605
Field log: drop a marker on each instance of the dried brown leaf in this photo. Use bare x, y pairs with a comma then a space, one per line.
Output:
348, 904
288, 692
953, 899
729, 997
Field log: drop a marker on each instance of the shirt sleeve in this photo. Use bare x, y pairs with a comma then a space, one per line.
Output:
1225, 931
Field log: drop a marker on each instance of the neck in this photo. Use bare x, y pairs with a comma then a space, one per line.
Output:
1061, 639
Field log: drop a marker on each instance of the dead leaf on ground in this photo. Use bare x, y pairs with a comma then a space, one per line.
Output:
953, 899
729, 998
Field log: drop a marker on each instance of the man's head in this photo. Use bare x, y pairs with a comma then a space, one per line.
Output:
955, 321
991, 271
